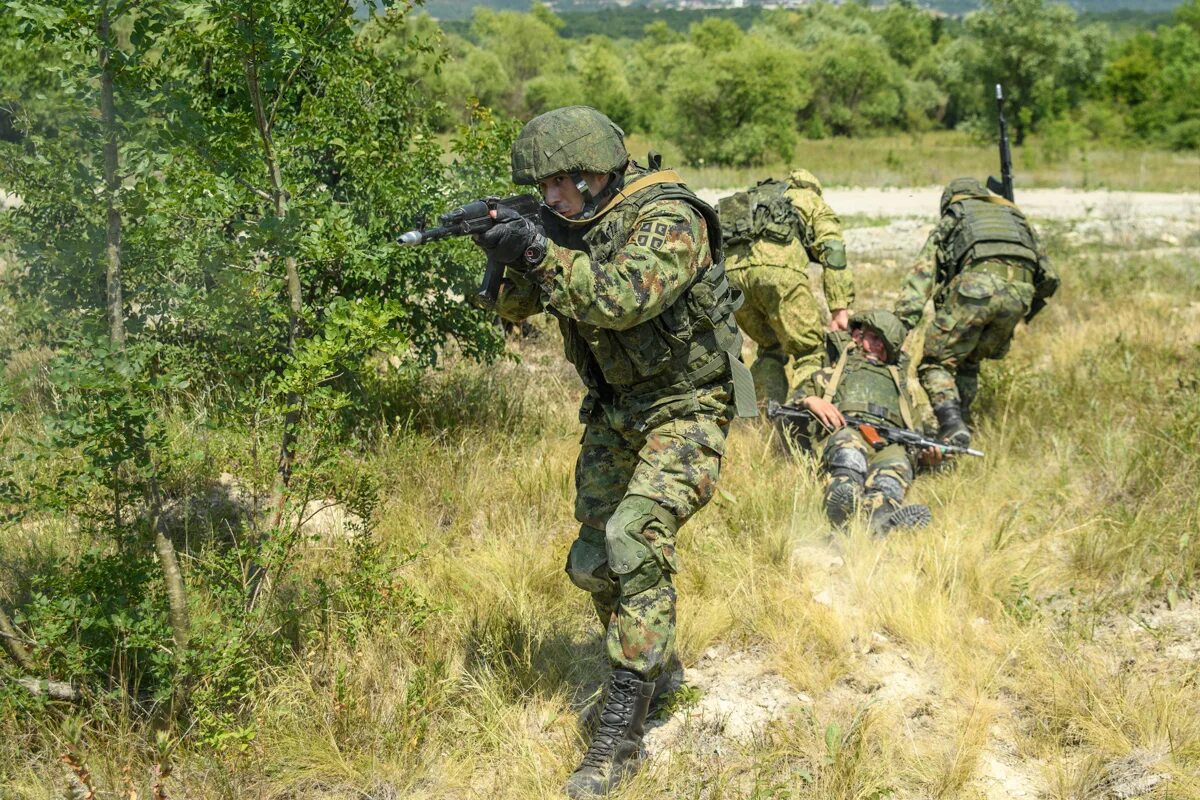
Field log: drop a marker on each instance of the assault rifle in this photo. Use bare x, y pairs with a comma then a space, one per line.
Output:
877, 435
1004, 186
470, 220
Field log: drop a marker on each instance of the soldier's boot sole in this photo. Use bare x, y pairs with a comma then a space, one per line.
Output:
916, 515
841, 501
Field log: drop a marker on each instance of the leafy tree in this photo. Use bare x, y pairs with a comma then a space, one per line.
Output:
861, 86
1046, 62
738, 106
907, 31
1154, 78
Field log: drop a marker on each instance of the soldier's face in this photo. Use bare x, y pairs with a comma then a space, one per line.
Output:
871, 343
561, 194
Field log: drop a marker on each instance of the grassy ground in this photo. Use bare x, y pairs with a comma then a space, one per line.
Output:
938, 157
1037, 641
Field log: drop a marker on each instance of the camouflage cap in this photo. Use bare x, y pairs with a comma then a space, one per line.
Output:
569, 139
887, 325
967, 186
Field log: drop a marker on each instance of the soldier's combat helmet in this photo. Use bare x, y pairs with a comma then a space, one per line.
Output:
570, 140
887, 325
961, 186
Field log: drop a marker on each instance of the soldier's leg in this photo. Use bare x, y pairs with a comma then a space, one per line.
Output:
769, 369
676, 476
967, 384
602, 471
889, 474
951, 342
845, 460
796, 320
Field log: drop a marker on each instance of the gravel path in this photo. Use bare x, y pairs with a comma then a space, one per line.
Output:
1039, 203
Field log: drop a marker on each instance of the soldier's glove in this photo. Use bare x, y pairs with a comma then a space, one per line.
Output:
514, 240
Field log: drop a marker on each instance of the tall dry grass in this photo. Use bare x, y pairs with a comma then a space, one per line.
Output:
1014, 634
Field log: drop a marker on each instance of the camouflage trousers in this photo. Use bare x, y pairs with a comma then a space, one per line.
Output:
879, 478
974, 321
634, 489
783, 317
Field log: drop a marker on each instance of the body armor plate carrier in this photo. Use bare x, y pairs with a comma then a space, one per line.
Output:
986, 228
693, 343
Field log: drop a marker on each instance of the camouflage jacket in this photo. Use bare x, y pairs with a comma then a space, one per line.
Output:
646, 314
875, 378
823, 236
927, 278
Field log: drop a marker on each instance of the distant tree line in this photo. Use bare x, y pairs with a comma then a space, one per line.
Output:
732, 92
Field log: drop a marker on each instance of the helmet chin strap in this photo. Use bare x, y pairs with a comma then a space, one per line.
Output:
593, 203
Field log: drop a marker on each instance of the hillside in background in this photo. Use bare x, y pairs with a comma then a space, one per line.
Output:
461, 9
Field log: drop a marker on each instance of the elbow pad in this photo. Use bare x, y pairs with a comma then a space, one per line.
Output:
833, 254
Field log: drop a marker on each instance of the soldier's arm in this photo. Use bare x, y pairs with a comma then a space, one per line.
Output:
828, 246
919, 284
519, 297
668, 247
1049, 281
812, 386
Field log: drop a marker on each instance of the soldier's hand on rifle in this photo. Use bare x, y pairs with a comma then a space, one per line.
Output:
513, 240
931, 457
840, 319
825, 412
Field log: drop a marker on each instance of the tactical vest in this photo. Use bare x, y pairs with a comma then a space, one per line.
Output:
693, 343
986, 228
763, 212
865, 389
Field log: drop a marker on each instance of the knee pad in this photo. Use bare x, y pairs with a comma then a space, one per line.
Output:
889, 486
587, 561
848, 462
639, 539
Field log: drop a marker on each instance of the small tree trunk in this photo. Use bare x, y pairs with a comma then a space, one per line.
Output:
112, 182
168, 561
167, 558
10, 638
279, 197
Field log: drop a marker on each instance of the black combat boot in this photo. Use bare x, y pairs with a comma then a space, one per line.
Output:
667, 682
616, 748
886, 520
951, 427
842, 495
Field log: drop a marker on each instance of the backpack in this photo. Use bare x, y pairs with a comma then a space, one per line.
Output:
762, 212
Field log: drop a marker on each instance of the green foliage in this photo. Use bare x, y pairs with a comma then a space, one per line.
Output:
1045, 61
880, 68
266, 155
99, 620
1153, 80
736, 105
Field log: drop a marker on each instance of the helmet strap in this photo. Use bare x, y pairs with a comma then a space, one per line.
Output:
589, 202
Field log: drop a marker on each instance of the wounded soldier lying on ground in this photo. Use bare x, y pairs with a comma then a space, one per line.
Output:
863, 383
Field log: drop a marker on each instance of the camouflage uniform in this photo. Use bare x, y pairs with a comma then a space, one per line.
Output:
983, 282
780, 313
861, 476
646, 315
